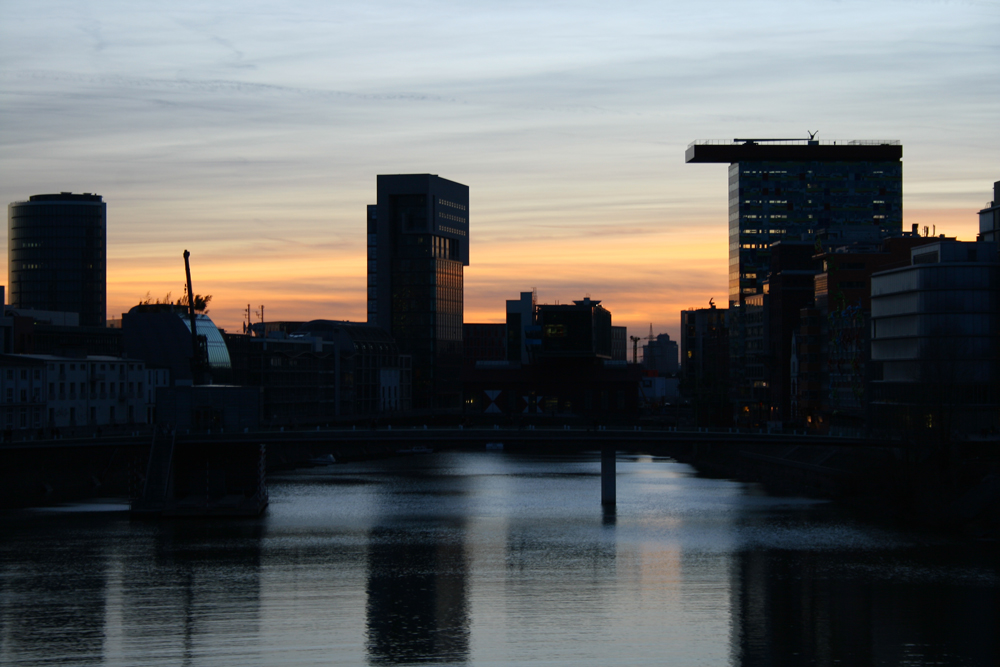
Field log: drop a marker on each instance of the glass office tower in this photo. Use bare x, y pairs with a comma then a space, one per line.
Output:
801, 189
418, 246
57, 249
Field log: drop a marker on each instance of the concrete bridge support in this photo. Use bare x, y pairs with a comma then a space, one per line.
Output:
608, 471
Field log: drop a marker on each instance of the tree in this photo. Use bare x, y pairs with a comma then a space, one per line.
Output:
200, 302
148, 300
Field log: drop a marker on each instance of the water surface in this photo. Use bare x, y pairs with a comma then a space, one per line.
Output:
494, 559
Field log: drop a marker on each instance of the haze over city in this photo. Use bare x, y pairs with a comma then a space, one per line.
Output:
252, 135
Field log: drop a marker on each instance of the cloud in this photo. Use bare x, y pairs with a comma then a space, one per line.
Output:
252, 133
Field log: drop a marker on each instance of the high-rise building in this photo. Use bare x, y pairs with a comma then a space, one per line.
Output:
786, 187
418, 244
57, 249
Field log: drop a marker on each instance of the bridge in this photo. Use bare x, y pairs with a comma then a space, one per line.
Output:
568, 437
224, 473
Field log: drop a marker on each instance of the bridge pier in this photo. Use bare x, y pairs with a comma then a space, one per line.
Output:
608, 472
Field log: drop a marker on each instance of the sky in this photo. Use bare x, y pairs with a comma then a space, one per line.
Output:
251, 134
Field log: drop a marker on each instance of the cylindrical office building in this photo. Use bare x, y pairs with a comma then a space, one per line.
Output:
57, 249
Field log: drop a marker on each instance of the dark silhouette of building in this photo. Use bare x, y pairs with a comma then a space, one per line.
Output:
831, 354
779, 188
484, 342
160, 335
579, 330
418, 244
522, 334
705, 364
619, 343
989, 218
660, 354
325, 371
57, 249
567, 367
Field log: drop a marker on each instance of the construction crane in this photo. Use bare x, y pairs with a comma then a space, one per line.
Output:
635, 349
199, 344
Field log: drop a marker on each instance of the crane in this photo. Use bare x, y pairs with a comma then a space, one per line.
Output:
199, 344
635, 348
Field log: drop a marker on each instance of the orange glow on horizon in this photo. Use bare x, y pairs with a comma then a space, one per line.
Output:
642, 278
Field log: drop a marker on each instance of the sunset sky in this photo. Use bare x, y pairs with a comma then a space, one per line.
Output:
251, 133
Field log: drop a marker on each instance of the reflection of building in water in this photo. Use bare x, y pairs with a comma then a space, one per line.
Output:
797, 608
182, 595
170, 594
45, 615
417, 598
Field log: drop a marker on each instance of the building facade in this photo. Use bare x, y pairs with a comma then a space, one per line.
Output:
935, 340
484, 342
45, 391
418, 246
57, 250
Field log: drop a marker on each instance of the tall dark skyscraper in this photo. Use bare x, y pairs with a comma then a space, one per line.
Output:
57, 250
796, 188
418, 244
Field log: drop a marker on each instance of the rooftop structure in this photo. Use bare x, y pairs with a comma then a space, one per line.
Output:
793, 150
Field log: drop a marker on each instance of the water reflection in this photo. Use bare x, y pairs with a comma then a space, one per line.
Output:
40, 613
499, 559
417, 608
851, 608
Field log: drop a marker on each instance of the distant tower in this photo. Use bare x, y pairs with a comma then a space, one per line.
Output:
799, 188
418, 246
57, 249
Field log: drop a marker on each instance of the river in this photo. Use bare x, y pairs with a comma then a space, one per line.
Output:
492, 558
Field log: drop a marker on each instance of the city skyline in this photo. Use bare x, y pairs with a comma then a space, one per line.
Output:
253, 138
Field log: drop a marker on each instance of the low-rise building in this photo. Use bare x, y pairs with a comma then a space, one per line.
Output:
46, 391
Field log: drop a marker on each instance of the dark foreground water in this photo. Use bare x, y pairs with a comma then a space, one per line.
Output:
494, 559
